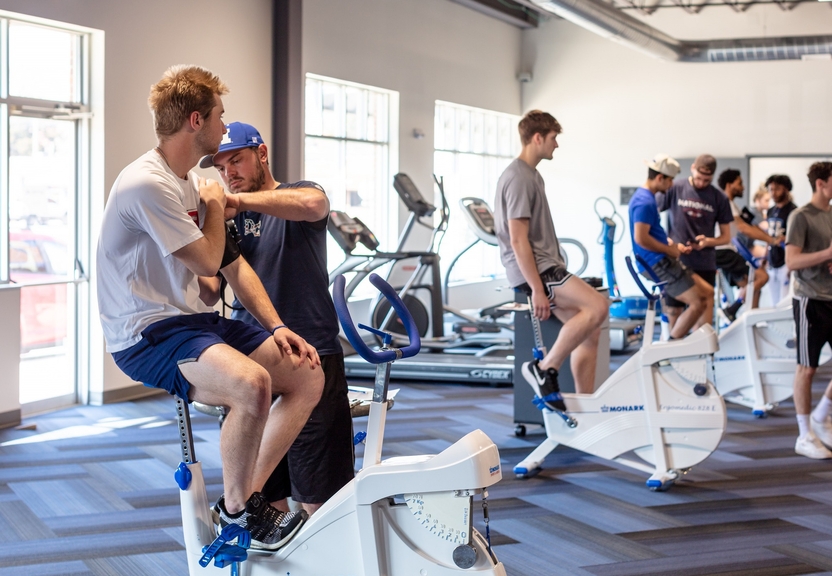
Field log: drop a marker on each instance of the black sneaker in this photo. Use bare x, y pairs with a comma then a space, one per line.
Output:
270, 528
731, 311
544, 384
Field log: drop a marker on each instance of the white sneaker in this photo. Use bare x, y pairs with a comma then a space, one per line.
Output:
811, 447
823, 430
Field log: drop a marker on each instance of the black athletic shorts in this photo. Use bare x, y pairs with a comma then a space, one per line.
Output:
733, 266
679, 278
813, 326
322, 459
552, 278
708, 275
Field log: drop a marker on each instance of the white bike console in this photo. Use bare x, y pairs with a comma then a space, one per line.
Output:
409, 515
658, 413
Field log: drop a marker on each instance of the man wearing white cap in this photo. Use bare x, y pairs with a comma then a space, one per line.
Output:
651, 245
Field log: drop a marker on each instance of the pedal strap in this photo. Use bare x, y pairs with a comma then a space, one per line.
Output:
224, 553
541, 402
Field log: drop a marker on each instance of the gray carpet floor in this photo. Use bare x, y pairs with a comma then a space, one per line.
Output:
90, 491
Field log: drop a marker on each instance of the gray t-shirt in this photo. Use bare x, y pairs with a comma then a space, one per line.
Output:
521, 194
811, 229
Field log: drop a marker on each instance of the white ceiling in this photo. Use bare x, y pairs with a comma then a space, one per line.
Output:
760, 20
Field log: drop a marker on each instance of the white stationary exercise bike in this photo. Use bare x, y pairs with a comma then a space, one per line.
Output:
658, 413
404, 515
755, 364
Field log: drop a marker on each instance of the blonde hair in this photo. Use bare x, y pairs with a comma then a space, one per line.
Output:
181, 91
537, 122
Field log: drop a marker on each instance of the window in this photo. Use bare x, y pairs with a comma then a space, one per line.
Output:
351, 151
44, 119
472, 147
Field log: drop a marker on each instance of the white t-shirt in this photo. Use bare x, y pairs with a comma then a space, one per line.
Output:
150, 214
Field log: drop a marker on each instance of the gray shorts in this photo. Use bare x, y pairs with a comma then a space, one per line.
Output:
679, 277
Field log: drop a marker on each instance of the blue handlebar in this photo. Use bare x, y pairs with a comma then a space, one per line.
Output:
351, 331
745, 253
649, 295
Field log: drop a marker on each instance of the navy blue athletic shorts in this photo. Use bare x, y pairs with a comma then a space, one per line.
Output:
154, 360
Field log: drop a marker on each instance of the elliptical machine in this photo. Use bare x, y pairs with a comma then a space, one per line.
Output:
658, 406
401, 516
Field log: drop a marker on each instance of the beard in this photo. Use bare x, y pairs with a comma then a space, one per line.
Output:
255, 183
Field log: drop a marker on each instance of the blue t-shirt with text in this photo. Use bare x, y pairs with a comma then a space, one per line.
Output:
643, 210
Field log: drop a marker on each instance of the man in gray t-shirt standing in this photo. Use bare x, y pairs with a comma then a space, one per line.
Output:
530, 252
809, 255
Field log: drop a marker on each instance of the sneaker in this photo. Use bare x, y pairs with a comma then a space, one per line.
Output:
811, 447
731, 311
270, 528
544, 384
823, 430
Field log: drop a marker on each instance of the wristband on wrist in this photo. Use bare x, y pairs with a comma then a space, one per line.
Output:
278, 327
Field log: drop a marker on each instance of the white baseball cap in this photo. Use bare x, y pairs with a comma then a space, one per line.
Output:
664, 164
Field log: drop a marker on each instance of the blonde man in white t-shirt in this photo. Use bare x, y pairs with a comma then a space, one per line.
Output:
163, 227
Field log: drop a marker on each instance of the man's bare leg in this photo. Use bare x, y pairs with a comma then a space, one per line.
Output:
585, 310
299, 387
223, 376
672, 313
803, 389
707, 316
695, 298
760, 280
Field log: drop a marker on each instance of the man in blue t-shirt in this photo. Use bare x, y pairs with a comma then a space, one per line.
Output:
283, 236
651, 244
696, 208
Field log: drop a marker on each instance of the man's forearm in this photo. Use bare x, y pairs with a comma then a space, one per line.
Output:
250, 292
752, 232
526, 263
798, 260
296, 204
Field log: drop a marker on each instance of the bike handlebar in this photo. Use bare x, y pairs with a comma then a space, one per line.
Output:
745, 253
649, 295
351, 331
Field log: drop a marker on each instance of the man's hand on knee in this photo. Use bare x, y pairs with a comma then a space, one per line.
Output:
287, 340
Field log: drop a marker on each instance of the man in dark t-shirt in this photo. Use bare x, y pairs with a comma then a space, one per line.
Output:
780, 188
696, 207
283, 237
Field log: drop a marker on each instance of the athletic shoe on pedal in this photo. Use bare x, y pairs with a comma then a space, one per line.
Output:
270, 528
823, 430
811, 447
731, 311
544, 384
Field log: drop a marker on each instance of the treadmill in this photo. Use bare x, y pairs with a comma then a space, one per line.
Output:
478, 358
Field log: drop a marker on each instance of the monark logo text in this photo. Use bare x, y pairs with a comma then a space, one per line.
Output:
634, 408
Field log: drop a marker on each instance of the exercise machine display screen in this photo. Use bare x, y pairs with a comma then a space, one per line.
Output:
411, 196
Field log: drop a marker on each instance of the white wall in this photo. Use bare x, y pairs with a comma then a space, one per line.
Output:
620, 107
142, 39
426, 50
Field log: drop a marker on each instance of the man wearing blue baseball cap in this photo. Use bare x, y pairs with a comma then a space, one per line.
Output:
283, 236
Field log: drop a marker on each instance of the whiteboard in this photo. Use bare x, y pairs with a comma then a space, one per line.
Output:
795, 167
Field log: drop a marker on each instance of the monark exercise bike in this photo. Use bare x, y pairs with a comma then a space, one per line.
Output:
410, 515
755, 364
658, 413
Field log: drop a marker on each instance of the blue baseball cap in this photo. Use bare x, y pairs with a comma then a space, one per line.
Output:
237, 136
